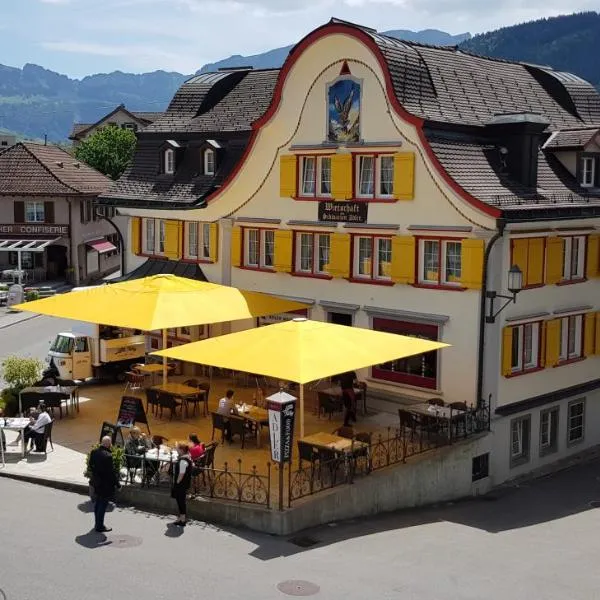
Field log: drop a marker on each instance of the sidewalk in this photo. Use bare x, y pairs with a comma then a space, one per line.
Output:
8, 317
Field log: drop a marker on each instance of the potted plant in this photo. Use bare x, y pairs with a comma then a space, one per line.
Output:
18, 372
118, 457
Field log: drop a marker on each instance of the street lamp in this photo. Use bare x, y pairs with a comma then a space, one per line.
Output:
515, 285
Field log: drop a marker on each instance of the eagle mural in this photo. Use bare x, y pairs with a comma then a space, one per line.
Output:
344, 111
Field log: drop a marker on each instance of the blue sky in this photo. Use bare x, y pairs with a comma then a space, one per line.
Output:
80, 37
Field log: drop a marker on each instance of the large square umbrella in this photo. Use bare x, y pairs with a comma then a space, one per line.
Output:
301, 351
160, 302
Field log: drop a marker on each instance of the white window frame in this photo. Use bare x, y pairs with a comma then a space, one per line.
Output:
317, 179
209, 162
263, 234
147, 236
169, 161
443, 277
573, 421
37, 209
204, 241
373, 272
314, 242
377, 176
519, 332
160, 242
520, 448
588, 171
574, 250
571, 328
549, 431
191, 235
131, 126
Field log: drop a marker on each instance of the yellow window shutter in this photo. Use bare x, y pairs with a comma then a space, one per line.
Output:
554, 259
136, 242
282, 261
507, 351
236, 246
597, 348
403, 259
593, 256
339, 255
589, 334
519, 256
341, 176
472, 263
552, 342
535, 262
173, 239
288, 175
213, 241
404, 175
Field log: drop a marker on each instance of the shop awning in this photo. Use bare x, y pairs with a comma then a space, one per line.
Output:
24, 245
101, 246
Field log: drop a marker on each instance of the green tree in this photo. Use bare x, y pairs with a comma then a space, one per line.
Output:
109, 150
18, 372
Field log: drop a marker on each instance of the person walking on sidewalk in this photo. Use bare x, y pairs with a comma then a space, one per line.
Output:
103, 479
182, 479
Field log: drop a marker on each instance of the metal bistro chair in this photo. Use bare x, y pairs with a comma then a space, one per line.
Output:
435, 402
218, 424
459, 421
169, 402
238, 426
152, 400
328, 404
133, 381
41, 443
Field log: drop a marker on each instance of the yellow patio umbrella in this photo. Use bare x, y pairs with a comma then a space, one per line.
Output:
301, 351
160, 302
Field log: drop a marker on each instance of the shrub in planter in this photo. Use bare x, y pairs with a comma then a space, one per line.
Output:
9, 402
18, 372
32, 295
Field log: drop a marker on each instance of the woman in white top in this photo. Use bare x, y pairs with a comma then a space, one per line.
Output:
182, 479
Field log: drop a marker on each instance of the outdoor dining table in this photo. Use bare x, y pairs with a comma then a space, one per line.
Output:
160, 455
359, 394
150, 369
330, 441
445, 414
179, 390
256, 415
59, 393
16, 424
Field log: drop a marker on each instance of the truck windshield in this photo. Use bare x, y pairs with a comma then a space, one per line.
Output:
62, 344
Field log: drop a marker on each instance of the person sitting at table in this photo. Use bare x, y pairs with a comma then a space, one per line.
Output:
136, 445
197, 448
37, 425
347, 382
227, 407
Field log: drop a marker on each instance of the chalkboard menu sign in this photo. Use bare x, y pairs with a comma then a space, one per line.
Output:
114, 432
131, 411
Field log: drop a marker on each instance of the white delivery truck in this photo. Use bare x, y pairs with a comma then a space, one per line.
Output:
93, 351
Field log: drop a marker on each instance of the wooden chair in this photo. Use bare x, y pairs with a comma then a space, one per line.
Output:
133, 381
218, 424
170, 402
152, 400
201, 398
306, 452
328, 404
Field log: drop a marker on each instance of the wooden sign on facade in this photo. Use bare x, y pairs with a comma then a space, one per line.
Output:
343, 212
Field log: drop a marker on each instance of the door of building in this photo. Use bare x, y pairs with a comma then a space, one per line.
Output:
340, 318
56, 261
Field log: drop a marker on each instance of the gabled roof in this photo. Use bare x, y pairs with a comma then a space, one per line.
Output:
226, 101
36, 169
141, 118
571, 139
157, 266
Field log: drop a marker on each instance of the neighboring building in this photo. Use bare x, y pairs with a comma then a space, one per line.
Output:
7, 140
47, 216
119, 117
392, 185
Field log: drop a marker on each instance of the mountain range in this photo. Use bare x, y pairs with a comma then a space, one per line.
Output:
35, 101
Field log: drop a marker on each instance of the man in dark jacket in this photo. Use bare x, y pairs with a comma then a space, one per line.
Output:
103, 479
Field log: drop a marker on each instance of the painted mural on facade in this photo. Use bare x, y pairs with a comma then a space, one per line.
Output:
343, 114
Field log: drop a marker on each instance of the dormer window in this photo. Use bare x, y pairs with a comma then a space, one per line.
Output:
209, 162
588, 171
169, 161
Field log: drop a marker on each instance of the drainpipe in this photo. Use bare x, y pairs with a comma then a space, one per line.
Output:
119, 234
71, 242
501, 224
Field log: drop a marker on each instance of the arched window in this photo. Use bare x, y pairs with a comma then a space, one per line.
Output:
209, 162
169, 162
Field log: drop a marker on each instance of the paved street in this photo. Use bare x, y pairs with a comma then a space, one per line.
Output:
538, 541
30, 337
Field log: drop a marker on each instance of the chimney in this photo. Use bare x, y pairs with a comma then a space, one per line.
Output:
521, 135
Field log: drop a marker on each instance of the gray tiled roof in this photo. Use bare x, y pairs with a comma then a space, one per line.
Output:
143, 183
448, 85
29, 168
476, 166
157, 266
148, 117
227, 101
571, 138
